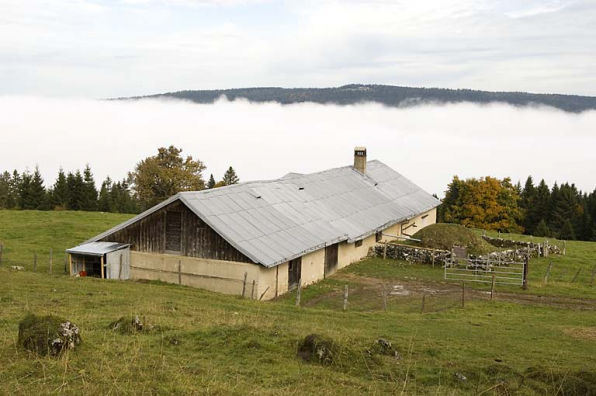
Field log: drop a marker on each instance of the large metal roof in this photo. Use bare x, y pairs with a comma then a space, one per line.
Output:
275, 221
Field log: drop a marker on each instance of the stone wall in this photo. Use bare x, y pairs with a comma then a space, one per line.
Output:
411, 254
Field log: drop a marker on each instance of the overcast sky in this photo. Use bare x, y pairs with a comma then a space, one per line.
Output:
111, 48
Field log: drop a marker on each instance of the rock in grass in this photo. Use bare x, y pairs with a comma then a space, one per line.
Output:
315, 348
384, 347
129, 326
47, 335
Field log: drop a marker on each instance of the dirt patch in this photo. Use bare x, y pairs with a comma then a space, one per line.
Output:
585, 333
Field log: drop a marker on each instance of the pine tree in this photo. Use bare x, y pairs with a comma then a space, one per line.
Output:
4, 189
75, 190
24, 200
89, 191
542, 229
527, 202
38, 196
211, 182
105, 203
59, 196
566, 232
230, 177
14, 190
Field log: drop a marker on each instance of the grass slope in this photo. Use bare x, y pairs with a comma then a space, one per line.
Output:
28, 232
230, 346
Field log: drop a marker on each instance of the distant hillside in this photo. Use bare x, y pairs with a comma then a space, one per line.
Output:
389, 95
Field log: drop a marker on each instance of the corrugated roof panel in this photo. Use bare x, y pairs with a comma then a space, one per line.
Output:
273, 221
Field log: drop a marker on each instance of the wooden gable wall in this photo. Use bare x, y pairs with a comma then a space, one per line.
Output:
155, 234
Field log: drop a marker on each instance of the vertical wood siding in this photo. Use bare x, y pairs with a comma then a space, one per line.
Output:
197, 239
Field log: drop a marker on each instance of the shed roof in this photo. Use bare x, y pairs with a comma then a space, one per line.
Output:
275, 221
97, 248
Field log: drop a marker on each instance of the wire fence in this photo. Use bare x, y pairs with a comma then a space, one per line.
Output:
51, 261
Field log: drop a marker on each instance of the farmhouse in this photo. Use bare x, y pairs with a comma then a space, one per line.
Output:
262, 238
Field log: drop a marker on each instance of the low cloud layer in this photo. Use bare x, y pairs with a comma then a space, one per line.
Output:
427, 144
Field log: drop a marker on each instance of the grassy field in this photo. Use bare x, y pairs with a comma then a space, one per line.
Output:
209, 344
29, 232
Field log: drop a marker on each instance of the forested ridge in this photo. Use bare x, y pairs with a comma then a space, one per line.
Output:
393, 96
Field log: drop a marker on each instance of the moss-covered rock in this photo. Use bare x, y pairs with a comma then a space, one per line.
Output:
315, 348
47, 335
130, 325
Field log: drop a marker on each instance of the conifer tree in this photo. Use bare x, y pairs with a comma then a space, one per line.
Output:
38, 196
230, 177
75, 190
105, 203
542, 229
89, 190
59, 196
211, 182
24, 201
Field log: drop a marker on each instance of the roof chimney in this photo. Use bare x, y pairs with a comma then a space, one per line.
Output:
360, 159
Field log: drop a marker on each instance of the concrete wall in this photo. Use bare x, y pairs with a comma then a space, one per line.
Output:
215, 275
228, 276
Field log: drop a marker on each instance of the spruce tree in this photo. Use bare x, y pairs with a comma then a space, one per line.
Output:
105, 203
566, 231
211, 182
230, 177
24, 200
542, 229
14, 190
38, 196
4, 189
59, 196
75, 190
527, 202
89, 190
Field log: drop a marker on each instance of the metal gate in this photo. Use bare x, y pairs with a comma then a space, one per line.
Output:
487, 271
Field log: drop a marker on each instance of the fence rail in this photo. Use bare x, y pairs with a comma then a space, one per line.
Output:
487, 271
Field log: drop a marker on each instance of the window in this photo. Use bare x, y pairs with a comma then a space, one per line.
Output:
358, 243
378, 236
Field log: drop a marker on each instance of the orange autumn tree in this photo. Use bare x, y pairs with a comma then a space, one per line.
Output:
487, 203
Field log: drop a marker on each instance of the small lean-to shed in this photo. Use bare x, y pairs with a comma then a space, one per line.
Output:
106, 260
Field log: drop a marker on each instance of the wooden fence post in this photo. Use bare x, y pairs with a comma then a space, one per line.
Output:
385, 251
384, 298
423, 303
433, 259
564, 248
550, 264
463, 294
51, 260
525, 279
244, 284
576, 275
298, 293
492, 289
120, 268
180, 273
252, 292
345, 297
34, 262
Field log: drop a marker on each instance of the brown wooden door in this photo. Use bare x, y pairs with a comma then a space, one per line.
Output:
173, 231
331, 256
294, 273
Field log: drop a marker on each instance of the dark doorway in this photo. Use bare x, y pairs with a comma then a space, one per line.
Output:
331, 253
173, 231
294, 273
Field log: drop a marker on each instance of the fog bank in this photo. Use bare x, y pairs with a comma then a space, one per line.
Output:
428, 144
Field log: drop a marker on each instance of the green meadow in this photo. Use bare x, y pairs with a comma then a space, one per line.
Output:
541, 341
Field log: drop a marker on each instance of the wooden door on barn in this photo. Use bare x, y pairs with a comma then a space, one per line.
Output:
331, 257
173, 231
294, 273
